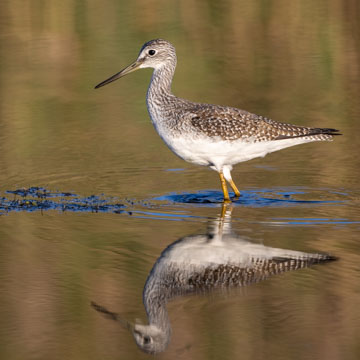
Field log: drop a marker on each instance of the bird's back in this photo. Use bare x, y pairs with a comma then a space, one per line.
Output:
228, 123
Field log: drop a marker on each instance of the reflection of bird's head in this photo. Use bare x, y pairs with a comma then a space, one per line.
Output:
150, 338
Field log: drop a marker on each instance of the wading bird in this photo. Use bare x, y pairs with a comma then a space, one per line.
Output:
210, 135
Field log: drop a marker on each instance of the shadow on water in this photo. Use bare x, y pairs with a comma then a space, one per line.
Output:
199, 264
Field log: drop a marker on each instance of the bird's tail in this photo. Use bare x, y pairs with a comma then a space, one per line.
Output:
313, 134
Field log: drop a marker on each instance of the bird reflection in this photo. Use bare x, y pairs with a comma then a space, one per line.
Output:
201, 263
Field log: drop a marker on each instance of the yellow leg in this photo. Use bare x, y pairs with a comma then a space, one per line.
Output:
224, 187
233, 186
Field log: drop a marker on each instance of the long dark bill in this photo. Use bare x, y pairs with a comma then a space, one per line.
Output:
113, 316
133, 67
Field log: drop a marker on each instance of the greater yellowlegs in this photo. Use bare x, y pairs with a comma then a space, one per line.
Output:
218, 259
210, 135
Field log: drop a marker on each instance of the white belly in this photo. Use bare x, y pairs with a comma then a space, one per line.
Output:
217, 152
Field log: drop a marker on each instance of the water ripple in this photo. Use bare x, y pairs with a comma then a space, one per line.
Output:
260, 198
175, 206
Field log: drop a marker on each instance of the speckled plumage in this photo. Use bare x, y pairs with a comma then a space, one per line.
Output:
234, 124
210, 135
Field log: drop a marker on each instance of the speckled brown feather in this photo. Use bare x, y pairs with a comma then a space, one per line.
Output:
235, 124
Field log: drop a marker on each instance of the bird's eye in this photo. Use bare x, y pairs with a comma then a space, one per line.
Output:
152, 52
147, 339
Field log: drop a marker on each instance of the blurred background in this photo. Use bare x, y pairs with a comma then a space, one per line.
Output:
293, 61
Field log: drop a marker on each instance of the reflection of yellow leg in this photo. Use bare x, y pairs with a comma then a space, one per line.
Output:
233, 186
225, 216
224, 187
225, 210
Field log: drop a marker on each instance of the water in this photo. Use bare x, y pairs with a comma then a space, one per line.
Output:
90, 196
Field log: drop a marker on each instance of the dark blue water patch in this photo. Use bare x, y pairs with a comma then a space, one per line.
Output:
208, 197
41, 199
252, 198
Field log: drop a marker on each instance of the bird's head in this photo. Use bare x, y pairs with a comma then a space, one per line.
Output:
150, 338
154, 54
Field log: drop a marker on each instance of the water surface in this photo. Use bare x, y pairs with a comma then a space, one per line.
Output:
90, 196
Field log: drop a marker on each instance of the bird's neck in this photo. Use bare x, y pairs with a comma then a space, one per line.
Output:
159, 91
155, 300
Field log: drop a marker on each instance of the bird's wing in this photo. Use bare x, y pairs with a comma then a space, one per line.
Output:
259, 269
235, 124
